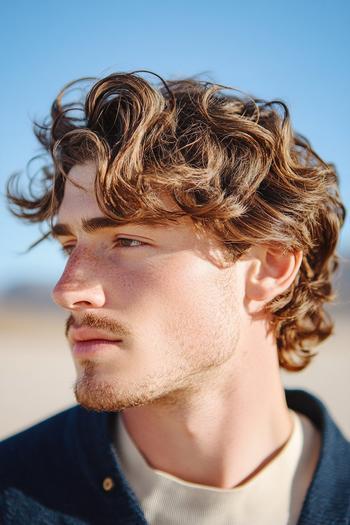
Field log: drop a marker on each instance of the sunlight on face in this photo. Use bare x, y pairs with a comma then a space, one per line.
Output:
153, 312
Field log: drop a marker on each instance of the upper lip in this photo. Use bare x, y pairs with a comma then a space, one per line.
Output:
88, 334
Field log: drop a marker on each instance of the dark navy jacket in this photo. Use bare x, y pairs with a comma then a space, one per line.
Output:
64, 471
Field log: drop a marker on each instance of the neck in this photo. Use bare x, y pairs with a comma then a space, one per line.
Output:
223, 434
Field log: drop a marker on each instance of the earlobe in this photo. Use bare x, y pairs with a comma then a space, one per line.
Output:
271, 272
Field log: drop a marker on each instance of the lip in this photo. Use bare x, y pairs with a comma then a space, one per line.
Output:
88, 341
78, 335
90, 347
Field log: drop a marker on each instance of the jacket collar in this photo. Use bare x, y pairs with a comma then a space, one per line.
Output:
328, 497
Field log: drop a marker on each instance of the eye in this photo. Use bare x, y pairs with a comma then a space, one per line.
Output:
125, 242
67, 249
121, 242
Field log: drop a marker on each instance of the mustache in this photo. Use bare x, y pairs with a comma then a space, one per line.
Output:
99, 323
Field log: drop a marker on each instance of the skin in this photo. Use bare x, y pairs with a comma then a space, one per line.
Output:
196, 375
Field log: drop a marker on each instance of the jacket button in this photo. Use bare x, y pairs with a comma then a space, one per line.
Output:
107, 484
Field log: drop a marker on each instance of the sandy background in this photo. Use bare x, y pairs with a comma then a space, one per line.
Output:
37, 371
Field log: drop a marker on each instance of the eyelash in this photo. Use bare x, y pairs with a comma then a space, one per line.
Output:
67, 250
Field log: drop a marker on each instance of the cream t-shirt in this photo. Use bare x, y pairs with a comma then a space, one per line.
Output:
274, 496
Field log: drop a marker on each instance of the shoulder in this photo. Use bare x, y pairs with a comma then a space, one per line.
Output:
53, 472
25, 455
39, 470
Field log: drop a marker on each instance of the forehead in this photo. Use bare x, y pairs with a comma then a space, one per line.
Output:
79, 198
78, 201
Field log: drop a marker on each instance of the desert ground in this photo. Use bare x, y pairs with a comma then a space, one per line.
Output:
37, 371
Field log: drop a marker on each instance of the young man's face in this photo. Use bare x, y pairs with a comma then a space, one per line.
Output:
155, 312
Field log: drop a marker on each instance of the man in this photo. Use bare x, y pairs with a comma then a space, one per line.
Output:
200, 233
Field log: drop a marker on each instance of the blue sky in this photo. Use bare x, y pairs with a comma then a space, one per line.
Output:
297, 51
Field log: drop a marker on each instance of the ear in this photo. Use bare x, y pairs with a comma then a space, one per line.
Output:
271, 271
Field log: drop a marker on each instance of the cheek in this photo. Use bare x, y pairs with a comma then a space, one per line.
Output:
203, 307
180, 297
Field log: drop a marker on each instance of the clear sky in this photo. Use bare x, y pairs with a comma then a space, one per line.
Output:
297, 51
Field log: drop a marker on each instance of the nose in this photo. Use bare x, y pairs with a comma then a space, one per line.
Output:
78, 289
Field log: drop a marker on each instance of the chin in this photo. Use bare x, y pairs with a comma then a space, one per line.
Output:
95, 391
96, 396
102, 393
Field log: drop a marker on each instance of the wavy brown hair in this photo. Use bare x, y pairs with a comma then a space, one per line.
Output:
231, 162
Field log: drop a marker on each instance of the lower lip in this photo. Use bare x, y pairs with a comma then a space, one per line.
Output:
93, 346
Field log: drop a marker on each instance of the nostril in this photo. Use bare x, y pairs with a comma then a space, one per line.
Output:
78, 304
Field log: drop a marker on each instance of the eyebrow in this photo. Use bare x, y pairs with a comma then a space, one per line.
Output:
88, 225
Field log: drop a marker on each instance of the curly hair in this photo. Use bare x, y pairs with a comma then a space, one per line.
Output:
231, 162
